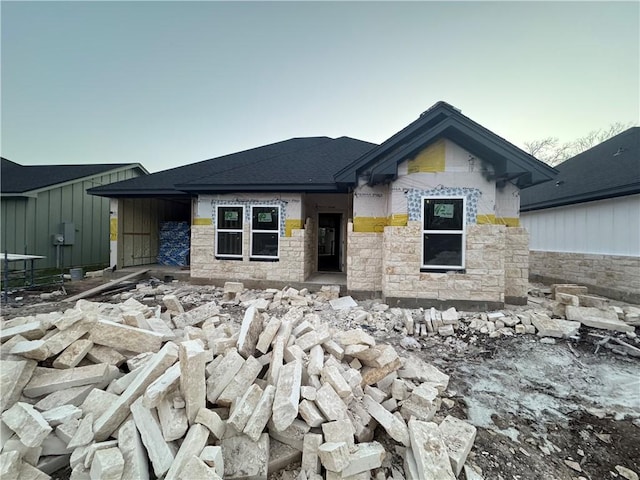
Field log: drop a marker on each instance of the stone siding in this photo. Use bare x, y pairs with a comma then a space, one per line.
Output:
290, 268
516, 270
364, 261
614, 276
482, 281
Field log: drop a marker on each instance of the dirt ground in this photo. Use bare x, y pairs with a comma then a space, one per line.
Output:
547, 411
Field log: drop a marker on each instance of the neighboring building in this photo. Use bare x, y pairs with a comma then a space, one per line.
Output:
429, 217
585, 226
38, 202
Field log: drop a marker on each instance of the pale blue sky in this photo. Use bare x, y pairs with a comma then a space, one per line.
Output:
171, 83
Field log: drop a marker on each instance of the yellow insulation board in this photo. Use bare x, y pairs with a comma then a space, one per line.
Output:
431, 159
493, 220
291, 224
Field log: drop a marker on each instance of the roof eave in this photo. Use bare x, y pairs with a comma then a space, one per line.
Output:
138, 193
583, 198
292, 187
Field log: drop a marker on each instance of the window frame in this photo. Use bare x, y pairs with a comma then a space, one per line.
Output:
462, 232
275, 231
226, 256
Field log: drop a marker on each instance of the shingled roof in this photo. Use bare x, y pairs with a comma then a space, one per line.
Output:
21, 179
298, 164
610, 169
443, 120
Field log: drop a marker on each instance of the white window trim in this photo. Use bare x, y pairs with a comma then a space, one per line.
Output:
252, 231
229, 230
462, 232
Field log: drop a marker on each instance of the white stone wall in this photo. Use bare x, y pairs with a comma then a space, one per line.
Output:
290, 268
615, 276
516, 264
483, 280
364, 262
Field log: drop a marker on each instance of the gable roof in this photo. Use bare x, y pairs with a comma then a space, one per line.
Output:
297, 164
610, 169
445, 121
20, 179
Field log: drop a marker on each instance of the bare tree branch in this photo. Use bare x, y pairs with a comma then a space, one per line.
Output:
552, 152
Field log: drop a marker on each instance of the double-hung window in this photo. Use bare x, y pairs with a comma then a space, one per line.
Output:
229, 231
265, 232
443, 233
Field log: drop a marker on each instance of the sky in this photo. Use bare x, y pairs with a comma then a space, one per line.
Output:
166, 83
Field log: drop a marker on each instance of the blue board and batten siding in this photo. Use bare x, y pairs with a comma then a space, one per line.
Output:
29, 221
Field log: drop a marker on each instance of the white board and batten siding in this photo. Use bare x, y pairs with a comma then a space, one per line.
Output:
605, 227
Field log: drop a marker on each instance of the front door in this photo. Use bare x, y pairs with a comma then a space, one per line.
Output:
329, 227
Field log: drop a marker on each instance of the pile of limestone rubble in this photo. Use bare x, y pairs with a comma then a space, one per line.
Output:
247, 383
206, 398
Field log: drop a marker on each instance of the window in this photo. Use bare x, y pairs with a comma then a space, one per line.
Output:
443, 233
265, 232
229, 231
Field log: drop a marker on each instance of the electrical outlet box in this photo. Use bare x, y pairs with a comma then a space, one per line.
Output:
57, 239
69, 233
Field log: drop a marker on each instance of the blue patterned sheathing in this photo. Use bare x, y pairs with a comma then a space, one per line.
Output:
415, 196
175, 241
247, 204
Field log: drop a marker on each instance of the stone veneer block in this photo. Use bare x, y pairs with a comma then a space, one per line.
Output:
331, 374
196, 315
14, 376
102, 354
597, 318
124, 337
425, 373
160, 452
395, 427
173, 421
364, 457
310, 458
212, 421
330, 404
244, 458
316, 360
157, 390
261, 414
222, 376
292, 435
268, 334
334, 456
310, 413
339, 431
287, 397
134, 454
240, 382
212, 456
193, 444
430, 451
354, 337
374, 375
27, 423
173, 304
243, 407
192, 377
73, 354
195, 468
249, 332
119, 409
458, 436
107, 464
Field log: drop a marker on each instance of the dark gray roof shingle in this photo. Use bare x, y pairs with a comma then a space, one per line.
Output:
608, 170
18, 178
297, 164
